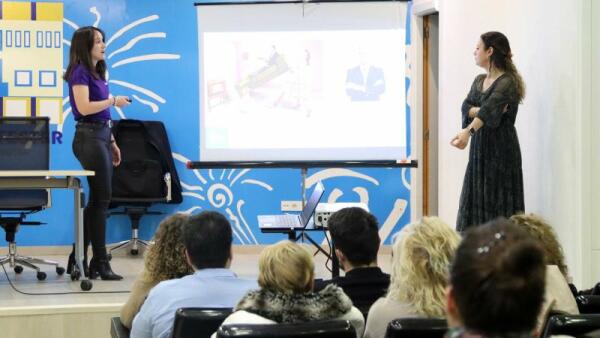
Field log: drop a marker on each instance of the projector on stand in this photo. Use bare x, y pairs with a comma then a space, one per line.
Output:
324, 210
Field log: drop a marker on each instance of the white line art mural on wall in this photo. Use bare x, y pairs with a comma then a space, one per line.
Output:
219, 194
394, 215
145, 96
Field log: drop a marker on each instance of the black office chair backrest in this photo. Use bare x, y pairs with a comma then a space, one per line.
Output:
317, 329
146, 158
198, 322
588, 303
24, 145
417, 328
571, 325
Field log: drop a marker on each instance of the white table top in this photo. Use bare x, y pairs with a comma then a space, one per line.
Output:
45, 173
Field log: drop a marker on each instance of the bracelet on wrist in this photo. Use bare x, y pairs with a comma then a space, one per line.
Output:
114, 101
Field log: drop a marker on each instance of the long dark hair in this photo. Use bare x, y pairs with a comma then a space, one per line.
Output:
502, 58
498, 279
82, 43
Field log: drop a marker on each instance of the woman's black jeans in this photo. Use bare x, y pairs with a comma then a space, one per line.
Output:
92, 148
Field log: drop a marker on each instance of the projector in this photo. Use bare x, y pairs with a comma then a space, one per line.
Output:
324, 210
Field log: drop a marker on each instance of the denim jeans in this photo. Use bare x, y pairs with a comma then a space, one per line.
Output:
91, 146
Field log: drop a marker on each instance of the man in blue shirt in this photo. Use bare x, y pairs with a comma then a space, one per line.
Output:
207, 239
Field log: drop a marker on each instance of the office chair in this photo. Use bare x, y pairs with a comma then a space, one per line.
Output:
198, 322
588, 303
571, 325
317, 329
117, 329
417, 328
146, 175
24, 145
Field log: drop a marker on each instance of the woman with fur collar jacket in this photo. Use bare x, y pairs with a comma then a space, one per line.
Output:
286, 278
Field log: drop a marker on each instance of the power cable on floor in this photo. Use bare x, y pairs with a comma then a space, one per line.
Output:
55, 293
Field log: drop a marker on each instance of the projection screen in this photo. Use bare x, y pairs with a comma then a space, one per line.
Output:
302, 82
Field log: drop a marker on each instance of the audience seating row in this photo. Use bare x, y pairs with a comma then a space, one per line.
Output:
202, 322
571, 325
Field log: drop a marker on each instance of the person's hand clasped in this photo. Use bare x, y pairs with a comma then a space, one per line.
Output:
121, 101
461, 140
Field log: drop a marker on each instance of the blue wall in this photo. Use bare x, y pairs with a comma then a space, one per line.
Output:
240, 194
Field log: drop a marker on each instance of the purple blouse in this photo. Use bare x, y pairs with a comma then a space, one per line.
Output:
98, 90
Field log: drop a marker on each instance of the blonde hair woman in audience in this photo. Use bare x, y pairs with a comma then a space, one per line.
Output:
421, 257
558, 297
286, 277
165, 259
543, 232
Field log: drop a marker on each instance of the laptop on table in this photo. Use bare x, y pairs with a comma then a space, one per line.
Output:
290, 221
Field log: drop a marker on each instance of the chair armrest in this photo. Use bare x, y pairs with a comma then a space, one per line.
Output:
168, 183
117, 330
588, 303
571, 325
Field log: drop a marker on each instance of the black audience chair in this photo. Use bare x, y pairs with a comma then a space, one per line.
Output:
596, 289
417, 328
571, 325
593, 334
117, 329
24, 145
146, 176
198, 322
318, 329
588, 303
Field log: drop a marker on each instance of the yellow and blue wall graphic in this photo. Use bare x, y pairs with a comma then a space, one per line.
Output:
31, 58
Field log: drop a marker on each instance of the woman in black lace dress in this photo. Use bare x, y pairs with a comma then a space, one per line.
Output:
493, 184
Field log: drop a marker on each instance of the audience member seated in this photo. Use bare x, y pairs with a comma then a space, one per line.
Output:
355, 235
558, 297
497, 282
163, 260
207, 239
421, 258
286, 277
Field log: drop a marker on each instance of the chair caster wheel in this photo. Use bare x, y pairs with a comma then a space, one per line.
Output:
60, 270
134, 252
86, 285
41, 275
75, 275
109, 257
18, 269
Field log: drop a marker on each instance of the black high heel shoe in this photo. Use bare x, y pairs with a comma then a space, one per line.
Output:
71, 263
100, 267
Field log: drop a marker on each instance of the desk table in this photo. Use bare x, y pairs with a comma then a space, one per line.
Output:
295, 234
56, 179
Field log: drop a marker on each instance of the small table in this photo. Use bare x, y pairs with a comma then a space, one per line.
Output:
55, 179
294, 236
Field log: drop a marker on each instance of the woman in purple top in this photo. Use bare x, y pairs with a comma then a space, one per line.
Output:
93, 144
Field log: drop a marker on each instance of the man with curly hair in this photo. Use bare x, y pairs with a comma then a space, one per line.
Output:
207, 238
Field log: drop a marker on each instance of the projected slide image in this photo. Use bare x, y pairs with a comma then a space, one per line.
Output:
365, 81
303, 90
260, 75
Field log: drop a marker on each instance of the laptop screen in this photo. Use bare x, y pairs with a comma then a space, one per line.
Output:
312, 202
